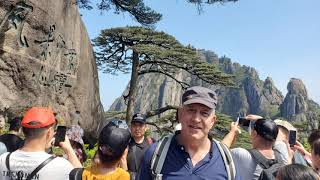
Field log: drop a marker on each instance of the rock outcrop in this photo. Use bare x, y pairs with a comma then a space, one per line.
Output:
297, 106
46, 59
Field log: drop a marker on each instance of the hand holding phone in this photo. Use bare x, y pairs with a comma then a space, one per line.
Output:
292, 137
60, 135
244, 122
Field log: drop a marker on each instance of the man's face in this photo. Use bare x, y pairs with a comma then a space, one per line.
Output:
138, 129
196, 120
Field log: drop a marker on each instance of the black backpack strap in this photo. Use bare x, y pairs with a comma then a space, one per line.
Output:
260, 159
7, 161
76, 174
34, 172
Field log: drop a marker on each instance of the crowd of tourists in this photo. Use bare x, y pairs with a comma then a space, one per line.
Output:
190, 153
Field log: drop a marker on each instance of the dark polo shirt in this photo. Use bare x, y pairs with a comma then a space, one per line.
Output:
178, 165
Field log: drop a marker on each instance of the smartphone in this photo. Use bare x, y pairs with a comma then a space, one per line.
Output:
60, 135
244, 122
292, 137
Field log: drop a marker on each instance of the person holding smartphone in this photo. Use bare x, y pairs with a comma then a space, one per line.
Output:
38, 126
262, 160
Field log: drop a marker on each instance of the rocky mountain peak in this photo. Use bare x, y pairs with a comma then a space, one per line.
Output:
296, 86
272, 94
296, 105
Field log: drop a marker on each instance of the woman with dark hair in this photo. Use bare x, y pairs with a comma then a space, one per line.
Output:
296, 172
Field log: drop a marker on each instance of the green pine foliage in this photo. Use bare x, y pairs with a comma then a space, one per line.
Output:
136, 8
142, 51
158, 53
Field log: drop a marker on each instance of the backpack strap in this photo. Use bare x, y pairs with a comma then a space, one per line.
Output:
159, 156
277, 156
261, 160
8, 162
76, 174
227, 159
34, 172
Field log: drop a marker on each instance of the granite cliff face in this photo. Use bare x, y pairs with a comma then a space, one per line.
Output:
297, 106
46, 59
250, 96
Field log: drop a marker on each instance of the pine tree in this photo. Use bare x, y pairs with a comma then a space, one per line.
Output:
141, 51
138, 10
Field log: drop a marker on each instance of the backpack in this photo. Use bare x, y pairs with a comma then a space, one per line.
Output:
270, 166
162, 148
76, 174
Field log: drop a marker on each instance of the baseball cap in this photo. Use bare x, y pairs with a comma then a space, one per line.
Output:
114, 139
267, 129
201, 95
38, 117
139, 118
285, 124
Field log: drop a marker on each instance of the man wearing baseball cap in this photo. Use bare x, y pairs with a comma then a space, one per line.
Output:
32, 161
138, 144
190, 154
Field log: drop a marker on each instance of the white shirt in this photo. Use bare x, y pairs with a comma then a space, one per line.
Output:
58, 169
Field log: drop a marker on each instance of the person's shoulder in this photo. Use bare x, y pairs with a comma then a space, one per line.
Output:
123, 174
61, 160
3, 156
280, 146
241, 153
61, 164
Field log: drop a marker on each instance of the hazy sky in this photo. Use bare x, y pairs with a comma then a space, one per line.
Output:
280, 39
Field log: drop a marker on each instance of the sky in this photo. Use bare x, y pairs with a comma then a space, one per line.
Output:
280, 39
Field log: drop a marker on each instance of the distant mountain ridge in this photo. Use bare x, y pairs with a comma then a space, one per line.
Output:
251, 95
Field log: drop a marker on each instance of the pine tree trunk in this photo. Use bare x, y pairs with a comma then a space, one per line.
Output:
133, 87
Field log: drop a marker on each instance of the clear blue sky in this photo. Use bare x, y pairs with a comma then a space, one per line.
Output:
280, 39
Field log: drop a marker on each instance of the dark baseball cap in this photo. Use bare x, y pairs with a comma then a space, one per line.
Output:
201, 95
114, 138
267, 129
139, 118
